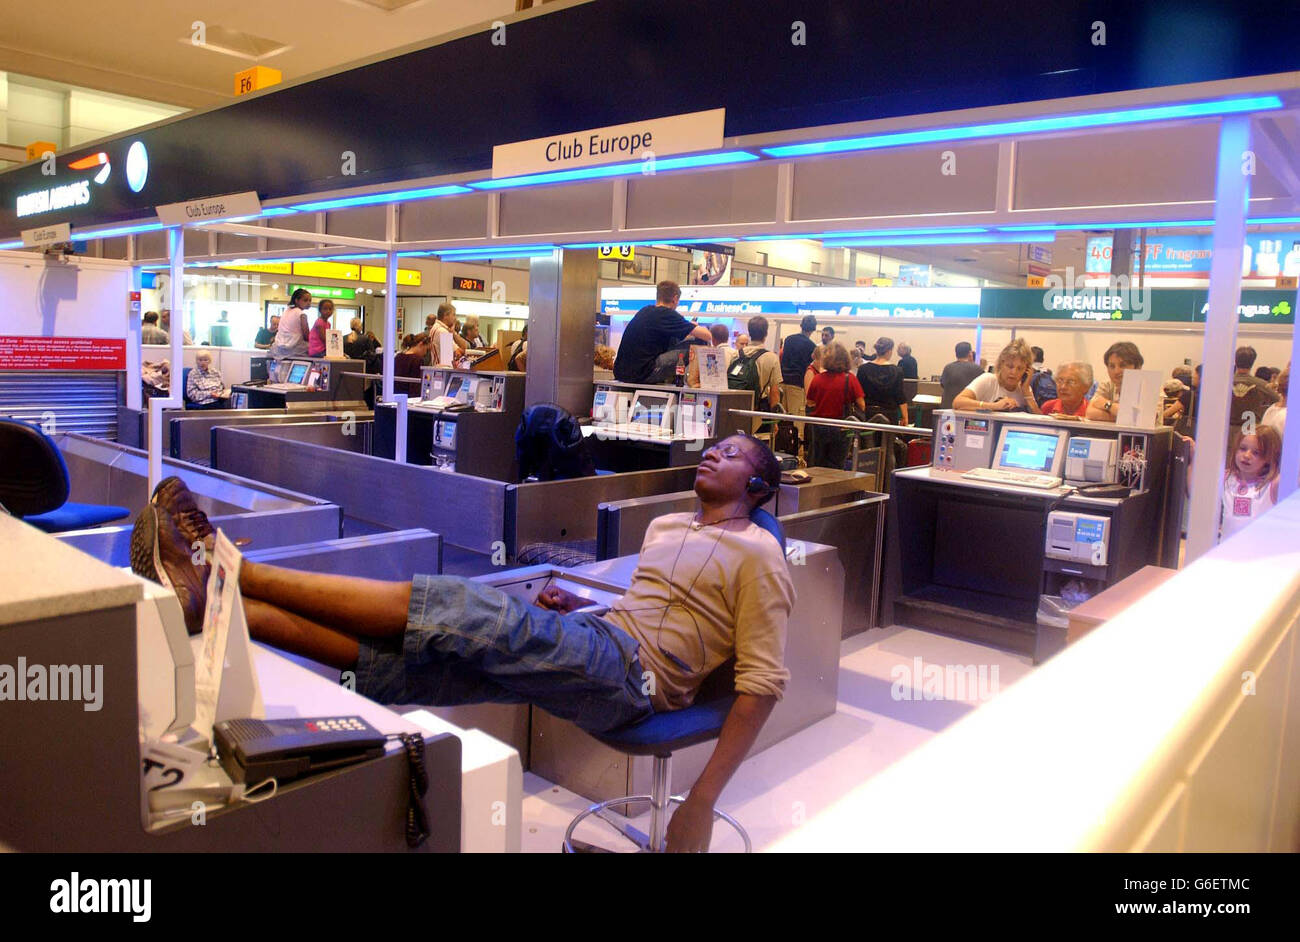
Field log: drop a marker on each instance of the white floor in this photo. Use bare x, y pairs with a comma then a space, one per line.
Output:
873, 727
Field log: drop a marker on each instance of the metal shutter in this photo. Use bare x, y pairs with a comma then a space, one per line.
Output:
84, 402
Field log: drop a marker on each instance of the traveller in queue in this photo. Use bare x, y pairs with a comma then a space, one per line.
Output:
814, 368
1007, 387
828, 334
882, 384
709, 586
316, 339
266, 335
151, 333
1119, 357
205, 389
958, 374
445, 323
165, 321
472, 335
829, 397
907, 363
1073, 380
655, 338
291, 338
518, 359
796, 355
411, 359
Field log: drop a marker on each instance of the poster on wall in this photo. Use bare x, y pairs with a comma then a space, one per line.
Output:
711, 264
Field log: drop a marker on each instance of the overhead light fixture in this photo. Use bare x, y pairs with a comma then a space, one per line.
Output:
490, 252
1095, 119
110, 232
1103, 226
374, 199
12, 244
699, 240
628, 168
867, 233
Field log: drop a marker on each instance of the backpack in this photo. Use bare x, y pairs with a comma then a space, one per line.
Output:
1043, 386
743, 374
1248, 398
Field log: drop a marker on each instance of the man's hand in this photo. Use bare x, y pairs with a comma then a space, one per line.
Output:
691, 827
559, 600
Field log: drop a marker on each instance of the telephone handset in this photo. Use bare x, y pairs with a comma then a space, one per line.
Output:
252, 751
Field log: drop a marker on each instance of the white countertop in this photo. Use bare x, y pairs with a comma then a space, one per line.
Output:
42, 577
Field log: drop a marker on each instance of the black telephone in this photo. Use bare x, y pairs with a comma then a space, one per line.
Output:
252, 751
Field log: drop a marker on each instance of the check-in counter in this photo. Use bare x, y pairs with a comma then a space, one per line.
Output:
637, 428
189, 434
1001, 560
334, 383
463, 421
236, 365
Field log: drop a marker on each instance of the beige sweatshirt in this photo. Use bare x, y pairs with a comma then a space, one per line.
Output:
699, 596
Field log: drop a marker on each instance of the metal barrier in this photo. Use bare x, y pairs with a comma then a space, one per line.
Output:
567, 511
879, 465
189, 434
468, 512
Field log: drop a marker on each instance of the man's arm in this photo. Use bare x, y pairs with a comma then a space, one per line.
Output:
700, 333
691, 826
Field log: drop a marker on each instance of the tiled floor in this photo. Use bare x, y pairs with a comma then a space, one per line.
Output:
873, 727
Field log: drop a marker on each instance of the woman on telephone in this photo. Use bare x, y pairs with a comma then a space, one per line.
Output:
1006, 388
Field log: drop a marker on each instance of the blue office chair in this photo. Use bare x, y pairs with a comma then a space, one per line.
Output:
34, 483
660, 736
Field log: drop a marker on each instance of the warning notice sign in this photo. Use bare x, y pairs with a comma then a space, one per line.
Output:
62, 353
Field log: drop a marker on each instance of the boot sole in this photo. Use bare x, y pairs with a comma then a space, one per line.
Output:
145, 558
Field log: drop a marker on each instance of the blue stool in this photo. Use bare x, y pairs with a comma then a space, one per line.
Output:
34, 483
660, 736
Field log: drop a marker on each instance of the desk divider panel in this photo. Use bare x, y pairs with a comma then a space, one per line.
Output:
466, 511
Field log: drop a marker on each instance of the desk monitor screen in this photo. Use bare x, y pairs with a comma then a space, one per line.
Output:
652, 409
1025, 448
298, 373
313, 378
453, 387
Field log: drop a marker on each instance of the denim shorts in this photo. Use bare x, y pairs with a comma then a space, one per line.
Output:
468, 642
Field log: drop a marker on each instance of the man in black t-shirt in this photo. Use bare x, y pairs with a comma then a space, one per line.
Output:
958, 374
796, 354
654, 338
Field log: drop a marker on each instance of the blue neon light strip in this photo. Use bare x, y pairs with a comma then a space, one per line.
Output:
1075, 226
12, 244
696, 241
979, 239
617, 170
505, 251
80, 235
868, 233
396, 196
1200, 109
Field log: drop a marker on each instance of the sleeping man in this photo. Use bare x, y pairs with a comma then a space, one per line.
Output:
709, 586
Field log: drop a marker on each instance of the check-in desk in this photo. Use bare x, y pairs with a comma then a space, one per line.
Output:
334, 386
1001, 563
464, 421
640, 428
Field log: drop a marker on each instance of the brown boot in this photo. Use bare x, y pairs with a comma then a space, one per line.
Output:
173, 496
160, 552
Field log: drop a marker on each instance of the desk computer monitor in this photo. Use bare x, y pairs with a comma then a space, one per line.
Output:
454, 387
298, 372
1032, 449
653, 408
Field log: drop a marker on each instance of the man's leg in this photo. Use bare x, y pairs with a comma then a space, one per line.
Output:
468, 642
297, 635
364, 607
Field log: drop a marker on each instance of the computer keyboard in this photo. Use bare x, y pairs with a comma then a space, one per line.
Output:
1000, 476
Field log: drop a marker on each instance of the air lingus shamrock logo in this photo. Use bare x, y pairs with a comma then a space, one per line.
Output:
1282, 309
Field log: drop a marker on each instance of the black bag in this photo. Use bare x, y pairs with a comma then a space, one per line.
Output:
786, 438
743, 374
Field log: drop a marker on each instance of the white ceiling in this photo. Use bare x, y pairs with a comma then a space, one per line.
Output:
144, 48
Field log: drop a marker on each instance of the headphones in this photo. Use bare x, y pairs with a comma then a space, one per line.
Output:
758, 487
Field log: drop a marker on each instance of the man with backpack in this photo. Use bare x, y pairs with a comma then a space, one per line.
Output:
1043, 384
757, 369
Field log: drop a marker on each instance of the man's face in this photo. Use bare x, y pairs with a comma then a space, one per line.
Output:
827, 336
1115, 368
725, 470
275, 321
